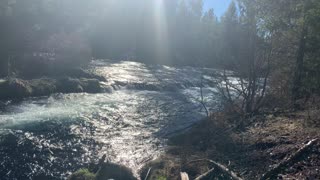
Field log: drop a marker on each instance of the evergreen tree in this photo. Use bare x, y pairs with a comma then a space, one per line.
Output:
230, 36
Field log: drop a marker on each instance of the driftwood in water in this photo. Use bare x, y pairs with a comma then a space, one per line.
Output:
184, 176
220, 167
290, 160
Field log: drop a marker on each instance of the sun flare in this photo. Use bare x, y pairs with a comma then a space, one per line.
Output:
160, 30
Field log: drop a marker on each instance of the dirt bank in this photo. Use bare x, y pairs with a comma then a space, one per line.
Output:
266, 142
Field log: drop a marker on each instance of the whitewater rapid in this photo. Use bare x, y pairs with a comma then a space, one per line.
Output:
49, 137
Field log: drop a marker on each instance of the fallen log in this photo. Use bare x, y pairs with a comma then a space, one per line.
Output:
226, 170
220, 167
290, 160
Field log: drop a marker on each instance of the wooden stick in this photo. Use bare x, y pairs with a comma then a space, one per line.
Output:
291, 159
146, 178
202, 100
226, 170
205, 175
222, 168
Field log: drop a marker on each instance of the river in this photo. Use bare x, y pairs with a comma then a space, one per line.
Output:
50, 137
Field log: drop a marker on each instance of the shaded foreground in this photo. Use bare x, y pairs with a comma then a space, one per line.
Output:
267, 141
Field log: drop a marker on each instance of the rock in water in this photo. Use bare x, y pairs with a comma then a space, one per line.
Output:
15, 88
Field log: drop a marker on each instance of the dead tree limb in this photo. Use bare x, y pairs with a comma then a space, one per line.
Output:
146, 178
220, 167
225, 170
227, 94
205, 175
202, 99
266, 77
290, 160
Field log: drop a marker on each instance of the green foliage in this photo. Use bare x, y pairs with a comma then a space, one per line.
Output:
106, 171
161, 178
292, 30
82, 174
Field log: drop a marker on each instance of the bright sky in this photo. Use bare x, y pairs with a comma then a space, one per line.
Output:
219, 6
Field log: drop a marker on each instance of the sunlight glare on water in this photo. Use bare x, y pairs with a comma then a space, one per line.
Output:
58, 134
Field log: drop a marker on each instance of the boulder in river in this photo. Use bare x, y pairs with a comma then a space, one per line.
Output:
15, 88
91, 85
43, 86
69, 85
73, 85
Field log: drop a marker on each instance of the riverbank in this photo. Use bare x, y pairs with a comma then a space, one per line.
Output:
80, 81
268, 140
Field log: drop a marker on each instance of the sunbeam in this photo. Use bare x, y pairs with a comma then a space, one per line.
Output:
160, 31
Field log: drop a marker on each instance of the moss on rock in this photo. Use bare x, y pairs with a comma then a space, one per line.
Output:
106, 171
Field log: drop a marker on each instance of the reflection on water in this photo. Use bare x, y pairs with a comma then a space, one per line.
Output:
53, 136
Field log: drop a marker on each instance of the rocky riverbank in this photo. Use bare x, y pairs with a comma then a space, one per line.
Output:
81, 81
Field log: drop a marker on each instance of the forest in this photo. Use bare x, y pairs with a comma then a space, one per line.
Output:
161, 89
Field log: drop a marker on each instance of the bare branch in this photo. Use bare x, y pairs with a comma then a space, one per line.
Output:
291, 159
220, 167
202, 99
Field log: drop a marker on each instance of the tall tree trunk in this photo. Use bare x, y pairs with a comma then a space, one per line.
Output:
251, 63
299, 66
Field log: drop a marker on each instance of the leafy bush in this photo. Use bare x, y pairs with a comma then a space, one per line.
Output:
161, 178
82, 174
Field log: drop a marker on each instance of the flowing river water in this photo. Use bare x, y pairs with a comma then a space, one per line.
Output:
50, 137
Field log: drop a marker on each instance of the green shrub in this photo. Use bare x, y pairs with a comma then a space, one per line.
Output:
161, 178
82, 174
